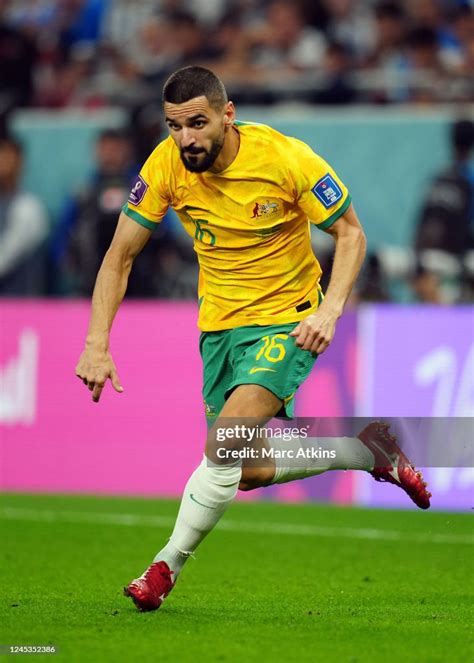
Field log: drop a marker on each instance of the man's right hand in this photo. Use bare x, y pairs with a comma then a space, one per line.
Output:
94, 368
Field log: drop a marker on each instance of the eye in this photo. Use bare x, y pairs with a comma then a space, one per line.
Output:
173, 127
199, 124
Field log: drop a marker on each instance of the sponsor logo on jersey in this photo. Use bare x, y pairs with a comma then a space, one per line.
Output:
327, 191
138, 191
257, 369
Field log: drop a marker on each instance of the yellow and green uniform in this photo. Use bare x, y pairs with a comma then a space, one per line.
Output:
250, 224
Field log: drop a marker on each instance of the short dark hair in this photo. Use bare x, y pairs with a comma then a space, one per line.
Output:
113, 134
389, 9
181, 17
190, 82
462, 134
422, 36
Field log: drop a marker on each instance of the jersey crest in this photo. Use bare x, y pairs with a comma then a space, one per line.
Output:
265, 209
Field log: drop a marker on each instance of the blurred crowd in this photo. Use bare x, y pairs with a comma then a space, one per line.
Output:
94, 53
439, 267
64, 261
38, 258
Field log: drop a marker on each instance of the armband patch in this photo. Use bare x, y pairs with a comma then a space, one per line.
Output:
138, 191
327, 191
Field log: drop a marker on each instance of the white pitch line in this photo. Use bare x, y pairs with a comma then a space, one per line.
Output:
134, 520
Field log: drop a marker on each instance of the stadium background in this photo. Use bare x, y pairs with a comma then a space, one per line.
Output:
375, 88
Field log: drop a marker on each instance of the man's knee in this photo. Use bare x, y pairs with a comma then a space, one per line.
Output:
256, 477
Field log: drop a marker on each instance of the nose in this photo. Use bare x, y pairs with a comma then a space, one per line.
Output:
188, 138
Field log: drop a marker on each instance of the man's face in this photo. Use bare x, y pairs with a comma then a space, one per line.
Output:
198, 130
113, 155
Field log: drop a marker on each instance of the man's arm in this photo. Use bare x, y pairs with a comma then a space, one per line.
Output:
95, 364
315, 332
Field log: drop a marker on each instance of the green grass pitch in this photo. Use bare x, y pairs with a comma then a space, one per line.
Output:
273, 583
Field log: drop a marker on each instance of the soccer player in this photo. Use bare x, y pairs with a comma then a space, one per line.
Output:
246, 193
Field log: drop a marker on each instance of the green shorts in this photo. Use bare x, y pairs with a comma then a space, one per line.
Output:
252, 355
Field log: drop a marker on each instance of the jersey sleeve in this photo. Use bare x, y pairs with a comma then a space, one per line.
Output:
149, 198
319, 191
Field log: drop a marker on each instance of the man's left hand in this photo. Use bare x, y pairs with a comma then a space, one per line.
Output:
316, 332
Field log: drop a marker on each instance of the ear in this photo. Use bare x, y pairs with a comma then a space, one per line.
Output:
229, 115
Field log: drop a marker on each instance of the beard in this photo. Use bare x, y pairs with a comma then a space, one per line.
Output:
195, 163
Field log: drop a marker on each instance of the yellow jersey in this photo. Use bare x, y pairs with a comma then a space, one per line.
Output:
250, 224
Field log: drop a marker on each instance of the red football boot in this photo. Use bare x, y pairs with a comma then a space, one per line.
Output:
150, 590
392, 465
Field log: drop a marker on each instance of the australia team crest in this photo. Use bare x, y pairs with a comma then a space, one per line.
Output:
265, 208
